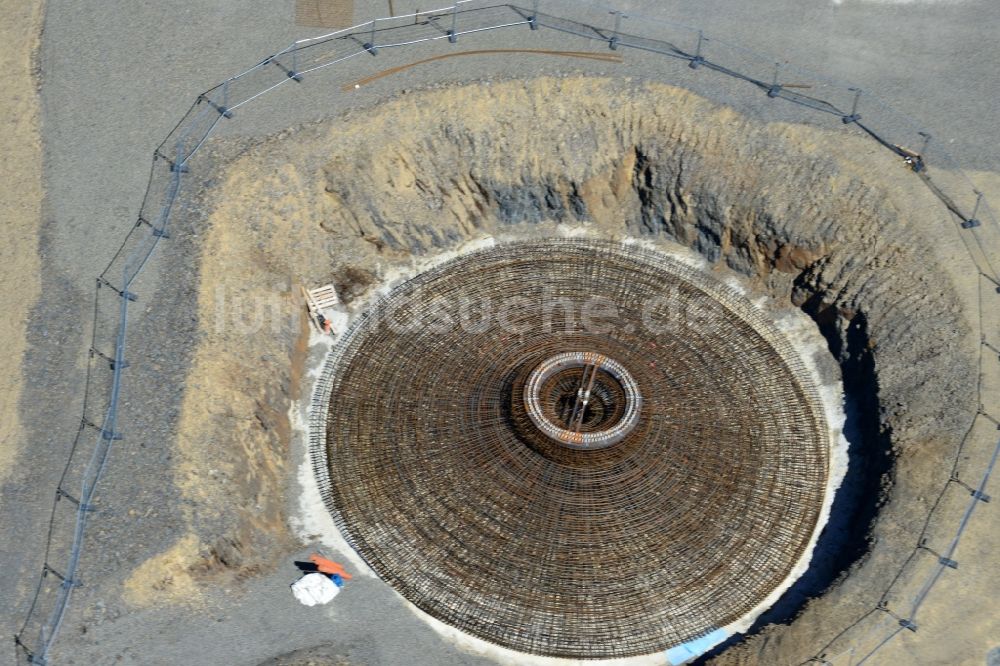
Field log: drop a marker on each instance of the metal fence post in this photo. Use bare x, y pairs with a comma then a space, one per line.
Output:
775, 88
179, 166
854, 116
697, 61
613, 42
294, 74
370, 44
452, 34
533, 19
973, 221
923, 146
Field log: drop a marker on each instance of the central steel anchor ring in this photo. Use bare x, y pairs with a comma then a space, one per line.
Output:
583, 400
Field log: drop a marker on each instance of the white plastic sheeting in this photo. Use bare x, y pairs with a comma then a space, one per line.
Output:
314, 588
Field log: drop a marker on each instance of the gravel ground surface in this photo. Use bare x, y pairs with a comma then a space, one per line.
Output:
115, 77
20, 206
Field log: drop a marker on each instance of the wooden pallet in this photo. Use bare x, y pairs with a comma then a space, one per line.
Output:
319, 299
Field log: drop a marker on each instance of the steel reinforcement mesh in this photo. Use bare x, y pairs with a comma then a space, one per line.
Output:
435, 476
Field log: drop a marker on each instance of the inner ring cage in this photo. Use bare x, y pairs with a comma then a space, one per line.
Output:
687, 525
623, 421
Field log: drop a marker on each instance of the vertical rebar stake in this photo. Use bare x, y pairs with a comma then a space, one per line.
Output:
452, 37
533, 21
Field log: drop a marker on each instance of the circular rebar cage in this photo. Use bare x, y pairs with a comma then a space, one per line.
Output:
439, 476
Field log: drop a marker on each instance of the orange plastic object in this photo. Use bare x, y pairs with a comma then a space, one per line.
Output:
329, 566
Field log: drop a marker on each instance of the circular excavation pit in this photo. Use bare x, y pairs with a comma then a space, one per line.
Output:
575, 448
817, 223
